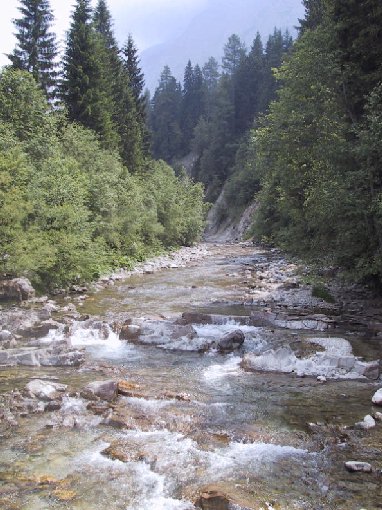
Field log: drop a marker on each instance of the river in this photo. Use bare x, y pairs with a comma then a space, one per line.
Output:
194, 421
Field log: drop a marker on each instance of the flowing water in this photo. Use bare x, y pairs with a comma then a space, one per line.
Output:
202, 421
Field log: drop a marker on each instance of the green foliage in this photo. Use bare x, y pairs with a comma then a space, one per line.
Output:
322, 292
317, 153
165, 118
36, 48
71, 210
86, 87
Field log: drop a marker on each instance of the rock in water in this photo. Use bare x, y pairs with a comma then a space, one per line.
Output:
377, 398
45, 390
105, 390
356, 467
231, 341
19, 289
367, 423
211, 499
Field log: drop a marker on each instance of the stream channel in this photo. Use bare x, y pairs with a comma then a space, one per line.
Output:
189, 419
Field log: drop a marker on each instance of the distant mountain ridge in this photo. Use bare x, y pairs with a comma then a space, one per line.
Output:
209, 30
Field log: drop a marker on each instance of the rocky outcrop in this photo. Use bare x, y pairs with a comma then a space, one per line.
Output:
17, 289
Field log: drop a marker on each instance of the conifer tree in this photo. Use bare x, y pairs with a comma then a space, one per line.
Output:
132, 79
132, 66
192, 103
36, 48
86, 85
234, 52
249, 87
166, 104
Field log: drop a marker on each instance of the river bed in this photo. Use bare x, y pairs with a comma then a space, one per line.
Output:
195, 421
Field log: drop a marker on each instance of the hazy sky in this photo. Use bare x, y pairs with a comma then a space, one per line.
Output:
146, 20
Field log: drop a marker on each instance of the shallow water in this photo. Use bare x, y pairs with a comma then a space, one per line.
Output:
246, 433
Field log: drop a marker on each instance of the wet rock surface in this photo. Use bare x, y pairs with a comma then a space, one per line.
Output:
143, 381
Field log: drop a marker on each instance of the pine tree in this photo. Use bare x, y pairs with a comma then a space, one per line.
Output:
86, 87
234, 52
136, 78
132, 78
211, 75
249, 87
36, 48
314, 13
166, 104
102, 22
192, 103
358, 36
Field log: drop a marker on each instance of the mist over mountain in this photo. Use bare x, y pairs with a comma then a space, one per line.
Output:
208, 29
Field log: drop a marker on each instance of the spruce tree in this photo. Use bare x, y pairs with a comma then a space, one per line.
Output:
136, 78
132, 79
86, 86
234, 52
166, 104
192, 103
36, 47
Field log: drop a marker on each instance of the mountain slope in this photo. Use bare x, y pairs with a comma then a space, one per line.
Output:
208, 31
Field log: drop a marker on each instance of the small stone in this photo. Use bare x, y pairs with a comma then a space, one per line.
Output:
378, 416
356, 467
321, 378
127, 388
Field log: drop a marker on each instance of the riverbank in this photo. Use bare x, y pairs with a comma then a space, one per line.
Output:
218, 382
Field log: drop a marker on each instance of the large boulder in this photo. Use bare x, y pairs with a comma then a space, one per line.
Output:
377, 398
104, 390
231, 341
45, 390
19, 289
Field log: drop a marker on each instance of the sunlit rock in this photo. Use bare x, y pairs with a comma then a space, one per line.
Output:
105, 390
19, 289
367, 423
377, 398
45, 390
354, 467
334, 359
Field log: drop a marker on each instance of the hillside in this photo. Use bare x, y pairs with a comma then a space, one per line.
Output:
208, 31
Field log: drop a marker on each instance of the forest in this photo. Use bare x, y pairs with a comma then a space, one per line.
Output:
296, 129
80, 193
93, 170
